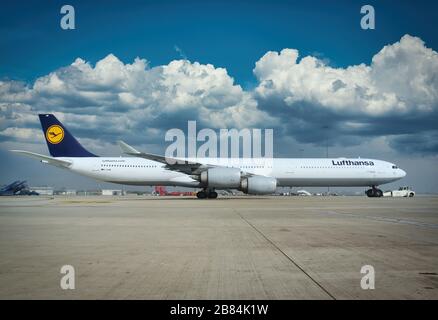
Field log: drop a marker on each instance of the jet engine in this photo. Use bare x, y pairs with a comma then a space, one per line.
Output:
258, 185
221, 178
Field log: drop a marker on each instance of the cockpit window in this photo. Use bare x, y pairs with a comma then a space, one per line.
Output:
394, 167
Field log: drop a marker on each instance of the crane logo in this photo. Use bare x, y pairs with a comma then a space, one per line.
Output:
55, 134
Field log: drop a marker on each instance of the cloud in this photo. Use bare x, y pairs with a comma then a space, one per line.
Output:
425, 143
307, 99
397, 94
113, 100
180, 52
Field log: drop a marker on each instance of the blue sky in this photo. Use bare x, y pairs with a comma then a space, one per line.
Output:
231, 34
295, 66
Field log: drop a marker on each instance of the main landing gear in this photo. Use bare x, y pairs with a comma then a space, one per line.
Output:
207, 193
374, 192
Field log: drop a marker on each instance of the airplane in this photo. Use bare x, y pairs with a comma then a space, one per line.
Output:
252, 176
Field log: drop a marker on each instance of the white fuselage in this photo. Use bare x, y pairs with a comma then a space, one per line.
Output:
287, 172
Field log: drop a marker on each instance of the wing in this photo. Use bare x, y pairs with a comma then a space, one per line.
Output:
174, 164
45, 159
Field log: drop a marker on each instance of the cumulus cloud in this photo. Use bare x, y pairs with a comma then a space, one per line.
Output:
113, 100
425, 143
401, 78
395, 96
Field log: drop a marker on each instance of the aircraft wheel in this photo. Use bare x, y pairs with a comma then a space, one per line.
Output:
374, 193
212, 195
201, 195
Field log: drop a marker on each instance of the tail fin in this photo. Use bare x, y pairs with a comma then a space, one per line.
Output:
59, 141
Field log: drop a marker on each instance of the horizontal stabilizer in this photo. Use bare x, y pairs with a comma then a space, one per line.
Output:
45, 159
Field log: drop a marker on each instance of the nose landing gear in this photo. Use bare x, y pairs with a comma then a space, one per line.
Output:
374, 192
207, 193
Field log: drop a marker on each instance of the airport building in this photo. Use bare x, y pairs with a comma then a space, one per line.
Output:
66, 192
112, 192
44, 191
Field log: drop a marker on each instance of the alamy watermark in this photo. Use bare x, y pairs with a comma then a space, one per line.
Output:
368, 21
229, 144
68, 19
368, 280
68, 280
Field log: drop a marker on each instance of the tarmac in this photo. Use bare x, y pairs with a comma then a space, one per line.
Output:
138, 247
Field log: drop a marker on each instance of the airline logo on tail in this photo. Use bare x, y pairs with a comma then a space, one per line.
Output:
55, 134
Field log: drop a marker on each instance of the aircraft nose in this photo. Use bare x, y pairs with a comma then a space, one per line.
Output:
402, 173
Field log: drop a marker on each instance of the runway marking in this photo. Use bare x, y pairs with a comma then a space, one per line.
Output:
286, 255
391, 220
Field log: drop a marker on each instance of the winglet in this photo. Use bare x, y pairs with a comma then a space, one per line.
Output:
126, 148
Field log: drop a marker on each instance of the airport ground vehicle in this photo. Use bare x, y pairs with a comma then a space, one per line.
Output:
17, 188
404, 191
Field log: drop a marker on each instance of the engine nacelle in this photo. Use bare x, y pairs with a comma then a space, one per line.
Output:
221, 178
259, 185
